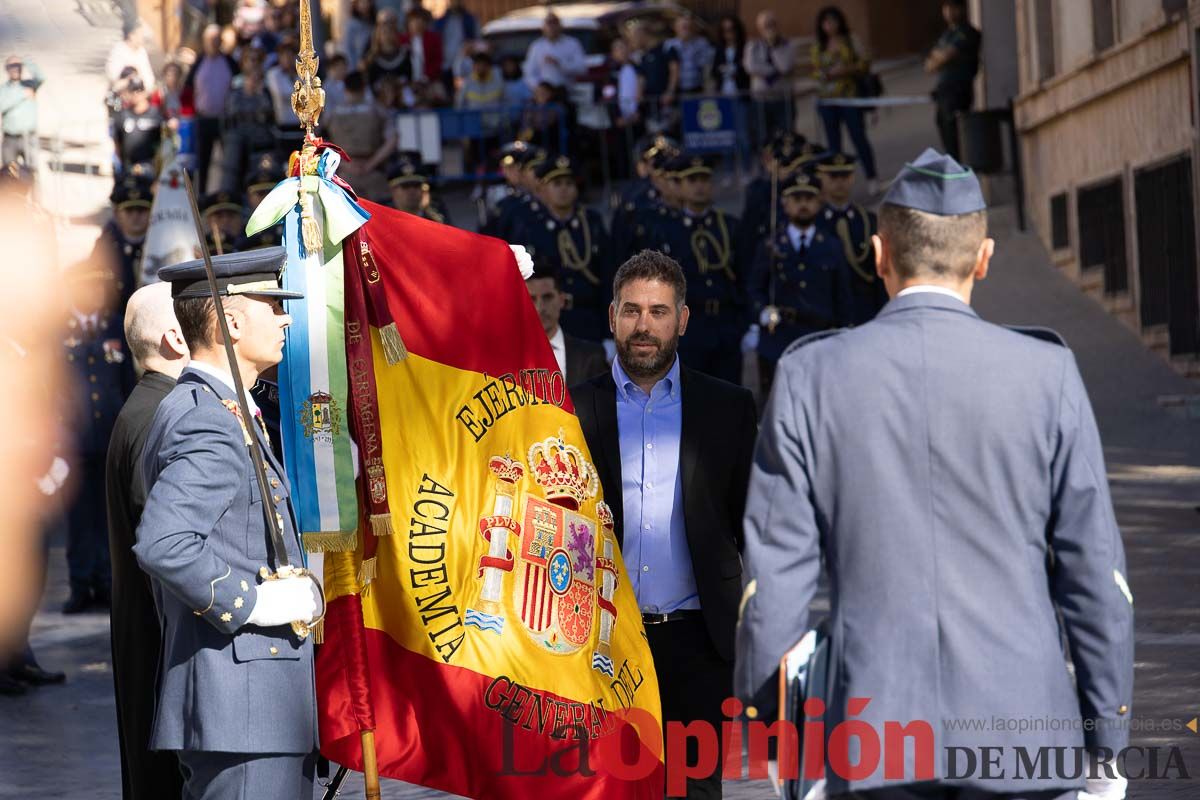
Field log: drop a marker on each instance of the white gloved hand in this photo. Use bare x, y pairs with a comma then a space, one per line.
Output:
524, 260
284, 601
53, 480
769, 316
750, 339
1104, 788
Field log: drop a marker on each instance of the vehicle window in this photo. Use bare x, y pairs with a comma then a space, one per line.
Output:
516, 43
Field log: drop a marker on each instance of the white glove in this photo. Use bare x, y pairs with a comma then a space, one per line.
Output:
284, 601
610, 349
750, 339
524, 260
53, 480
1104, 788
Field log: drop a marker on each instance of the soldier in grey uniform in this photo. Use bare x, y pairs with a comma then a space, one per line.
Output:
948, 473
235, 684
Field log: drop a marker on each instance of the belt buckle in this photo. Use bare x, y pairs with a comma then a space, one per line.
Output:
654, 619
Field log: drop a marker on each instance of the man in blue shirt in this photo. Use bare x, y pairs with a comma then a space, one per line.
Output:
673, 449
18, 108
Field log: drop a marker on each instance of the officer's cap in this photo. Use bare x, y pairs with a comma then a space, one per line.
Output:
221, 201
688, 164
555, 167
407, 170
534, 158
800, 184
513, 152
836, 163
936, 184
652, 144
267, 172
131, 193
256, 272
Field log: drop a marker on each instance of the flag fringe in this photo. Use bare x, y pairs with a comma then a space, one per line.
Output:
318, 632
393, 346
366, 572
381, 524
330, 541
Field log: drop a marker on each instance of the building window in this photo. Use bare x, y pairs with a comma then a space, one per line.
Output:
1060, 236
1043, 31
1102, 233
1103, 27
1167, 252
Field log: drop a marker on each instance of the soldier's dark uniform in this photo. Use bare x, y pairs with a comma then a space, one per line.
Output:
512, 155
852, 226
578, 248
101, 374
706, 247
808, 288
123, 254
409, 172
520, 207
636, 228
640, 195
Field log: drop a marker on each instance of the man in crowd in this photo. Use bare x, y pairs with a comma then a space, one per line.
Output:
409, 184
852, 226
209, 79
364, 130
456, 26
702, 238
658, 74
673, 447
160, 353
952, 467
955, 59
578, 359
695, 54
569, 238
18, 110
224, 220
235, 683
799, 282
130, 52
102, 378
137, 127
555, 58
770, 61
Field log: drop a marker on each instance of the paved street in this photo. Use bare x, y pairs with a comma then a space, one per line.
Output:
60, 742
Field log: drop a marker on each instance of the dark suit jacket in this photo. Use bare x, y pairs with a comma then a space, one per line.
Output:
584, 359
135, 635
720, 423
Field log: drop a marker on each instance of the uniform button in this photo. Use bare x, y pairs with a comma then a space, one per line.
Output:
96, 414
92, 378
803, 284
645, 569
278, 498
649, 485
649, 445
91, 359
801, 268
646, 526
95, 396
70, 357
274, 483
708, 282
1123, 710
274, 650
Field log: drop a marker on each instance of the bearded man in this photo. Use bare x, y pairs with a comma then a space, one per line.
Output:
673, 448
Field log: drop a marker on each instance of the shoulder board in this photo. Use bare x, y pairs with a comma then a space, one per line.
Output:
1037, 332
810, 338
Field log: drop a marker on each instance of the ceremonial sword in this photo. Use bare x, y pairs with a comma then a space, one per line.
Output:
283, 567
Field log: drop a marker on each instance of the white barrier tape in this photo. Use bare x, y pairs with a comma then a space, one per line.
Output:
874, 102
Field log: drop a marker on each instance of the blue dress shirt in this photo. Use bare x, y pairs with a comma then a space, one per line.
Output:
655, 545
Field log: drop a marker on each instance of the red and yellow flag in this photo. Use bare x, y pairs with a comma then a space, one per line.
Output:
491, 640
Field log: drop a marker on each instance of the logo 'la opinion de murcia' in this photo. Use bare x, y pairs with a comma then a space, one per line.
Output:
548, 565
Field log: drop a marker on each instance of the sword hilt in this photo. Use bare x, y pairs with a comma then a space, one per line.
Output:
300, 628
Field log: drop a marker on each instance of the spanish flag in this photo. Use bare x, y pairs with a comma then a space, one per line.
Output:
489, 636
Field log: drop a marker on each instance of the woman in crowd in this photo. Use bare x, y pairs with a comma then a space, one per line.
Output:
839, 62
385, 56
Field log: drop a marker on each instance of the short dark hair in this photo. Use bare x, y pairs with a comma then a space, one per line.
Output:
652, 265
196, 316
355, 82
939, 246
544, 269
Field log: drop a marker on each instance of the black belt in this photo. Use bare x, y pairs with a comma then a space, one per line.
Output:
674, 616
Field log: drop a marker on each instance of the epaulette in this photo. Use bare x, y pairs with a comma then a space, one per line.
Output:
1038, 332
810, 338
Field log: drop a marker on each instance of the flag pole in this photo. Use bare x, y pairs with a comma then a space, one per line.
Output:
308, 100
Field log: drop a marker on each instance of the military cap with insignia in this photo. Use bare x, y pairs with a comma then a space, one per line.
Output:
256, 272
688, 164
836, 163
534, 158
131, 193
558, 166
650, 145
512, 152
407, 170
267, 172
936, 184
663, 158
801, 183
221, 201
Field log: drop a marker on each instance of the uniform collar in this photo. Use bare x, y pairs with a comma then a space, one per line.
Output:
926, 299
211, 373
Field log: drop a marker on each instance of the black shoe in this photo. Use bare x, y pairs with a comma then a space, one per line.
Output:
79, 602
10, 686
34, 675
102, 597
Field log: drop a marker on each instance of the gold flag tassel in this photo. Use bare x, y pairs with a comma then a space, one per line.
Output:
317, 630
381, 524
367, 572
393, 346
330, 541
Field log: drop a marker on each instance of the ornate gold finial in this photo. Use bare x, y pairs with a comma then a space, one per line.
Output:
308, 98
